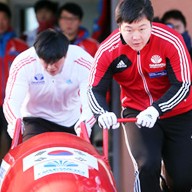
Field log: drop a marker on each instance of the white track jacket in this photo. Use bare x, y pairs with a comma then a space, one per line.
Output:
32, 92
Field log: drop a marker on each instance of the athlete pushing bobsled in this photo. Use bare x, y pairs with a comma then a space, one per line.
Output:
55, 161
151, 64
46, 89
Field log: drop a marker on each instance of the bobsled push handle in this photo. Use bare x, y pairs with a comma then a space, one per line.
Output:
17, 137
106, 135
126, 120
84, 135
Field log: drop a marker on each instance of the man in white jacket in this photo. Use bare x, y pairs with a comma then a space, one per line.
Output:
47, 87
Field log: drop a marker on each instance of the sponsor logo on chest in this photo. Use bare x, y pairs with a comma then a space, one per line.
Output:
38, 79
156, 62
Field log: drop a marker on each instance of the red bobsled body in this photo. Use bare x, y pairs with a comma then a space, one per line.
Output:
55, 162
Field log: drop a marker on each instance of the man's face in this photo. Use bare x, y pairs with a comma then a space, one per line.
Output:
177, 25
55, 68
4, 22
136, 34
44, 15
69, 23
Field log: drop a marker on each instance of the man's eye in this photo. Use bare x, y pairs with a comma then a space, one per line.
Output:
128, 30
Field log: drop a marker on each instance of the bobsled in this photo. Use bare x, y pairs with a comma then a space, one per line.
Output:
56, 161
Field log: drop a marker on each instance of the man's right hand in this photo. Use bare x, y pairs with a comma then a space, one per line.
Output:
108, 120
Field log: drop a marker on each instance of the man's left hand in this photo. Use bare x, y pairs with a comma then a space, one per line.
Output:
147, 118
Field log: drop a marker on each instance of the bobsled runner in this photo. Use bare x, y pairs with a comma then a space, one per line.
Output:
56, 162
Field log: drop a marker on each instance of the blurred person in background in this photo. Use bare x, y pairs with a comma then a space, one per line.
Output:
45, 12
10, 47
176, 20
70, 17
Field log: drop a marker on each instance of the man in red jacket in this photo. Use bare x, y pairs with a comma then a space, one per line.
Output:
151, 64
70, 18
10, 47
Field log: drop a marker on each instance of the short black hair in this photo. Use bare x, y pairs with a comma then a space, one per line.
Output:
174, 14
46, 4
5, 8
133, 10
51, 45
72, 8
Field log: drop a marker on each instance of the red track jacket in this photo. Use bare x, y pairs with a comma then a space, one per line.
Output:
158, 75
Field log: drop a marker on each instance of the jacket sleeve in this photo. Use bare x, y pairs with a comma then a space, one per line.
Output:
179, 73
100, 80
16, 90
84, 65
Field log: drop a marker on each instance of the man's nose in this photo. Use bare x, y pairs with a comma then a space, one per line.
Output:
49, 67
136, 35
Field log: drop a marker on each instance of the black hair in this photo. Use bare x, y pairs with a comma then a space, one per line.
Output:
46, 4
133, 10
72, 8
174, 14
5, 8
156, 19
51, 45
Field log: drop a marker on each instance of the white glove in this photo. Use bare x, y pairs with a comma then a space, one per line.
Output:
89, 124
108, 120
147, 118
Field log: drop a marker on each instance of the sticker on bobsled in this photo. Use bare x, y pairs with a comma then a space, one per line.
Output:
3, 170
60, 166
57, 153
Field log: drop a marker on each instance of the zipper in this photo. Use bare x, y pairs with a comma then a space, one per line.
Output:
139, 67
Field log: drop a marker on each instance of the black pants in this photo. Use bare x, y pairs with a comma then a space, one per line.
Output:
34, 126
5, 139
169, 140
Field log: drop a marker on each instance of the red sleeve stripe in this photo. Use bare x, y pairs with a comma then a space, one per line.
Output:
91, 121
9, 114
113, 40
6, 111
105, 46
84, 63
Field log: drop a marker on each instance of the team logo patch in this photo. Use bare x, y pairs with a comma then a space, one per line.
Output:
156, 59
38, 79
156, 62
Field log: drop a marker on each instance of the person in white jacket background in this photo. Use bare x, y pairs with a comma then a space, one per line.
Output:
47, 87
